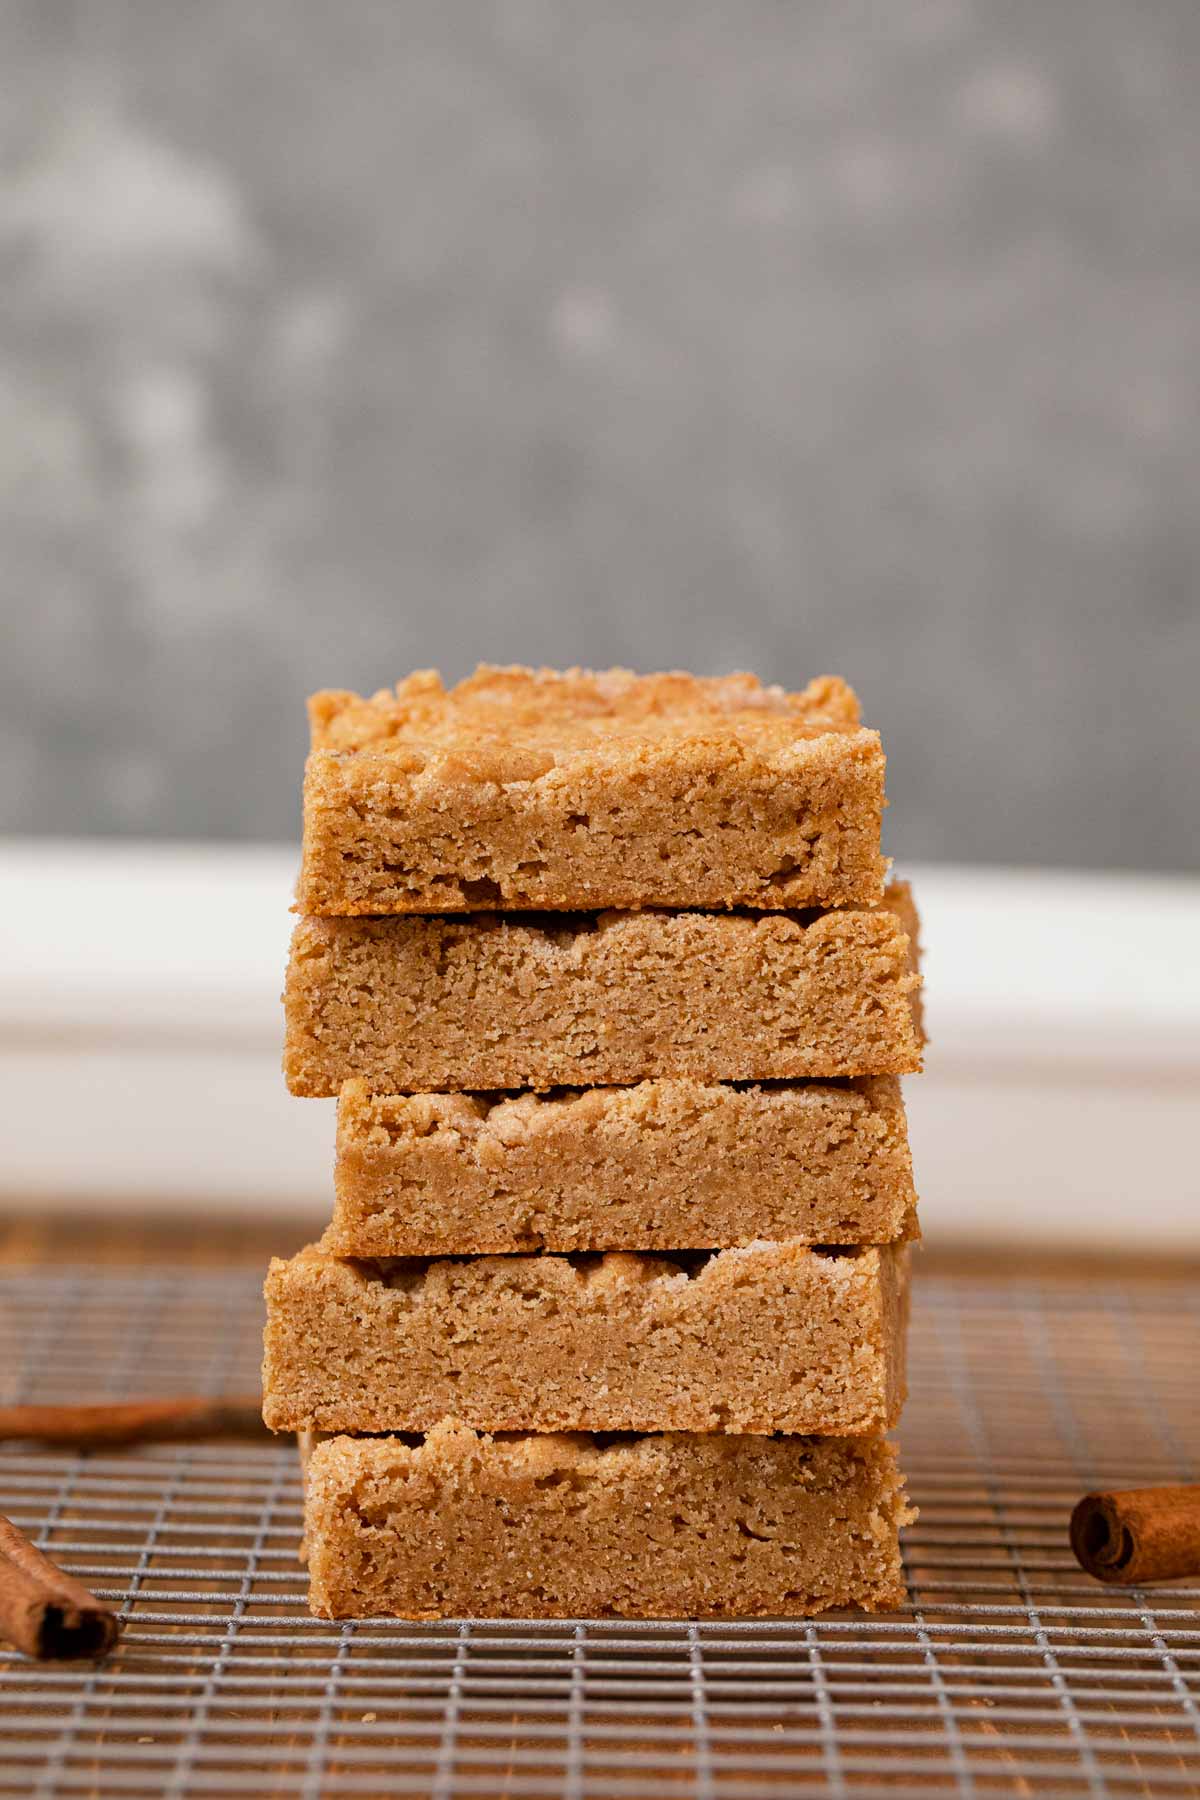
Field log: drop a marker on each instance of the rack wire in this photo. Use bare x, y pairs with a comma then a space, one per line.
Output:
1008, 1672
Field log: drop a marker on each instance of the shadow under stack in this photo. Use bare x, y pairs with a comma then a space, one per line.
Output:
610, 1317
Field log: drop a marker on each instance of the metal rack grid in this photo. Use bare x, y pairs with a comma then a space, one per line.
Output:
1008, 1672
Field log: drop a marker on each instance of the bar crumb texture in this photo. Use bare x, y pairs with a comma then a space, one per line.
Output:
773, 1337
524, 788
408, 1004
669, 1526
673, 1164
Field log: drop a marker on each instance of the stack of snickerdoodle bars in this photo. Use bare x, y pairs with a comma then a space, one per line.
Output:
610, 1318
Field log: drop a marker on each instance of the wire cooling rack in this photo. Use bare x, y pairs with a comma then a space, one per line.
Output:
1007, 1672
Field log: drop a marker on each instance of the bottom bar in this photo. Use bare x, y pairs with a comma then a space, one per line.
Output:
459, 1524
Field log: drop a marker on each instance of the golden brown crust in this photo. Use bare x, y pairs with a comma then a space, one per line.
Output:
576, 790
673, 1164
667, 1526
569, 707
771, 1337
408, 1004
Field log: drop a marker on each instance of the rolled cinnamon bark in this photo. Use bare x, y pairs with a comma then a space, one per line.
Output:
1137, 1535
179, 1420
46, 1614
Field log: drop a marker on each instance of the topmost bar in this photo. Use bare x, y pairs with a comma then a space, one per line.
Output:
531, 789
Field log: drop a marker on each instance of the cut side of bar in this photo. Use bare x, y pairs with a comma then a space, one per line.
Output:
672, 1164
408, 1004
773, 1337
668, 1526
537, 789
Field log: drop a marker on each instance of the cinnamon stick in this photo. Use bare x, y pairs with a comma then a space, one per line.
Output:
1137, 1535
180, 1420
45, 1613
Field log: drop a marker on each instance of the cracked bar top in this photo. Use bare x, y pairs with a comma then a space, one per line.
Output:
535, 789
463, 1524
672, 1164
770, 1337
590, 999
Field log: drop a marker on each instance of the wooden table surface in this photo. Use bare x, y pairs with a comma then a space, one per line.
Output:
36, 1241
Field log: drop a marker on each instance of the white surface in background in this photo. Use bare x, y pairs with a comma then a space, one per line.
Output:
140, 1032
133, 940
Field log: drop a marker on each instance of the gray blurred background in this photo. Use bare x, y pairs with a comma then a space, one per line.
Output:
341, 339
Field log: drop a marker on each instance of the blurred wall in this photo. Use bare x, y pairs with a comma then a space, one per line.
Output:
341, 339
